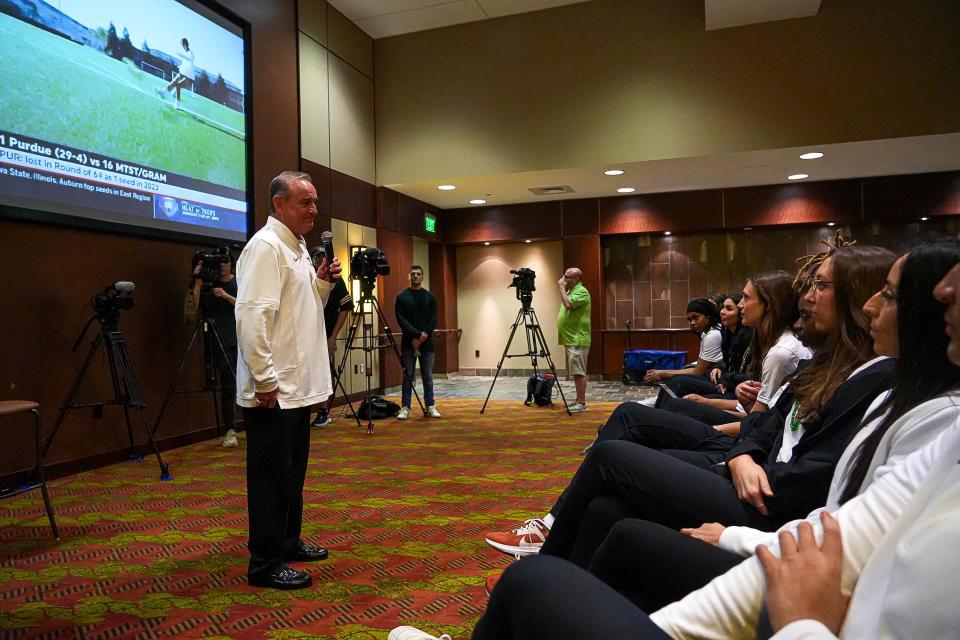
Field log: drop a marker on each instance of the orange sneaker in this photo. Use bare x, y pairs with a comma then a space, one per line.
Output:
491, 582
525, 540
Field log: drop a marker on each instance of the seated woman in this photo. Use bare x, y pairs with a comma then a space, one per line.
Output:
704, 319
797, 443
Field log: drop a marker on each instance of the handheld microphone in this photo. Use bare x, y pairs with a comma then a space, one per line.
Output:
327, 239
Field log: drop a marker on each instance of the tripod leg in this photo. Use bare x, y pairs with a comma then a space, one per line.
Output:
351, 335
71, 394
121, 391
503, 357
224, 357
176, 379
408, 375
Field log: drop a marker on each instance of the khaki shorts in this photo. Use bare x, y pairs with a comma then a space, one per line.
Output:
577, 360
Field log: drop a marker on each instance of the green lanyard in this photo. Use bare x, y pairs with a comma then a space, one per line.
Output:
795, 418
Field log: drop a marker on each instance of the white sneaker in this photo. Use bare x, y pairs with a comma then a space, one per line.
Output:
412, 633
578, 408
525, 540
432, 412
648, 402
230, 439
403, 415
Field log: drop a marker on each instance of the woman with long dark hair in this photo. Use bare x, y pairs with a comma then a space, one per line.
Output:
703, 316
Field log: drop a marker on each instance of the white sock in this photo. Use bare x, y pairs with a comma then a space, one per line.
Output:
548, 520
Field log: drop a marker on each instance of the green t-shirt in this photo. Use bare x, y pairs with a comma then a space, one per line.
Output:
573, 325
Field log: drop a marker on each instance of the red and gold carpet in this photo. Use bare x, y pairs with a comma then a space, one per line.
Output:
402, 512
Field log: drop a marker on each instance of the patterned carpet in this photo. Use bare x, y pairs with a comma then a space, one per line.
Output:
402, 512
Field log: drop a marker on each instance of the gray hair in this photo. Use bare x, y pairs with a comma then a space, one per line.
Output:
280, 186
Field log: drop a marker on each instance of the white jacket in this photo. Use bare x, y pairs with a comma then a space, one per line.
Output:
899, 551
280, 329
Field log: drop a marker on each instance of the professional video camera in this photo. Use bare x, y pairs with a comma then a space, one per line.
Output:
366, 265
210, 269
114, 298
523, 281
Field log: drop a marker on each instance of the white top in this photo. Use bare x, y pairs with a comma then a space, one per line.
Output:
791, 437
779, 362
710, 341
280, 330
910, 433
899, 551
186, 64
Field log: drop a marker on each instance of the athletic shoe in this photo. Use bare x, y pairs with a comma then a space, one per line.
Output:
412, 633
648, 402
491, 582
322, 419
432, 412
525, 540
578, 408
403, 415
230, 439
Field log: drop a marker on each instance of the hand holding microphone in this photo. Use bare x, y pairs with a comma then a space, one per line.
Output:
329, 268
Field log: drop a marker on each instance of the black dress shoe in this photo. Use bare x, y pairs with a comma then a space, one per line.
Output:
307, 553
283, 577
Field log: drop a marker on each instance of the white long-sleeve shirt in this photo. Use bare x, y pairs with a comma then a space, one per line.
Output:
280, 327
911, 432
899, 551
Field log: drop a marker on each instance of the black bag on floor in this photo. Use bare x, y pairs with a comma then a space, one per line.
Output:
380, 408
540, 389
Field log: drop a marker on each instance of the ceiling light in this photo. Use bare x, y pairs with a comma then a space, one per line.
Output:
811, 155
447, 187
666, 233
486, 244
478, 201
528, 241
924, 219
831, 224
626, 190
748, 228
798, 176
613, 172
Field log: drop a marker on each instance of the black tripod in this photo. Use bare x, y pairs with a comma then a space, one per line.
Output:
127, 391
369, 344
213, 348
536, 345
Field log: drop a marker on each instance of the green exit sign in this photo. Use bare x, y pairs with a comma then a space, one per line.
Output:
429, 223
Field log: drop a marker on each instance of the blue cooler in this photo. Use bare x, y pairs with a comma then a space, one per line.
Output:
636, 362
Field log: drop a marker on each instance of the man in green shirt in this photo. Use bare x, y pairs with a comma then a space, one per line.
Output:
573, 329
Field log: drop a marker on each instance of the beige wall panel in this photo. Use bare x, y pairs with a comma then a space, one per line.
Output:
349, 42
486, 307
631, 80
354, 235
314, 102
312, 19
351, 122
421, 256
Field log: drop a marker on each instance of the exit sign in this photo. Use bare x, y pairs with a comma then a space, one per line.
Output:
429, 223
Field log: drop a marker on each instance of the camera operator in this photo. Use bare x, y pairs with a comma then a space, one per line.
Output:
416, 310
335, 311
573, 330
218, 299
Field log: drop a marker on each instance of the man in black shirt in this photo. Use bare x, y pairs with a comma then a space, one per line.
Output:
416, 310
334, 315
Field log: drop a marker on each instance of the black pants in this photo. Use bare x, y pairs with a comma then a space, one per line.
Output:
686, 383
647, 484
653, 565
545, 598
278, 446
698, 411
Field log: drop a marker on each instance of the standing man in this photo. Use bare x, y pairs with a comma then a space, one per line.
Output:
416, 310
283, 369
573, 329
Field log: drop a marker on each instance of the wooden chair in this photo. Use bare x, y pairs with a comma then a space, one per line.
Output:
14, 407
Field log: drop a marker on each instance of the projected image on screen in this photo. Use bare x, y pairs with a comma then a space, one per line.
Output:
124, 111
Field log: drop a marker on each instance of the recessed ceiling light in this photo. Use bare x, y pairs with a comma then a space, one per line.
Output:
831, 224
798, 176
924, 219
811, 155
528, 241
486, 244
613, 172
666, 233
447, 187
626, 190
748, 228
478, 201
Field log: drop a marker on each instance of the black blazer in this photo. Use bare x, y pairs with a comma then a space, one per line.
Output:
801, 484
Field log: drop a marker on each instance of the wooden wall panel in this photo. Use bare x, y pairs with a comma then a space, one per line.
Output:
443, 283
352, 199
399, 250
580, 217
829, 201
614, 343
321, 182
908, 198
647, 213
517, 222
584, 252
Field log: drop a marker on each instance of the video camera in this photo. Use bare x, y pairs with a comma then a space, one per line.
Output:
114, 298
523, 281
366, 265
210, 269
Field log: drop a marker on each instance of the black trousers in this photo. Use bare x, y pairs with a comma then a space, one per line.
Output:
546, 598
653, 565
649, 485
278, 446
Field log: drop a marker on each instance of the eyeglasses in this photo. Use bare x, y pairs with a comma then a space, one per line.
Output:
820, 284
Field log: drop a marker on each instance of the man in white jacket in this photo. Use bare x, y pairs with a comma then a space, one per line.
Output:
281, 372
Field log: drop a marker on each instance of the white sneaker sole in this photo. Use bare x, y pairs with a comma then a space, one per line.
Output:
518, 552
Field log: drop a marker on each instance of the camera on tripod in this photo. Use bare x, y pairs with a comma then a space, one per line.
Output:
114, 298
366, 265
523, 281
210, 267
